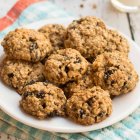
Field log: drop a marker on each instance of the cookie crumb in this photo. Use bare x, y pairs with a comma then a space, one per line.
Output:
94, 6
81, 6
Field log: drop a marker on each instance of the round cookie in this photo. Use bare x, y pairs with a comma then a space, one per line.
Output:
114, 72
89, 106
55, 33
43, 100
18, 73
90, 37
26, 44
83, 83
64, 66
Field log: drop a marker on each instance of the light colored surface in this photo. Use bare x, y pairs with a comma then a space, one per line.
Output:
130, 2
135, 25
125, 8
122, 105
6, 5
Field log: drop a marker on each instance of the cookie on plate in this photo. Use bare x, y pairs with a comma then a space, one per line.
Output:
26, 44
64, 66
83, 83
43, 100
89, 106
114, 72
18, 73
55, 33
90, 37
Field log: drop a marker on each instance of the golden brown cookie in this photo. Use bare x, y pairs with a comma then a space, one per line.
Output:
89, 106
55, 33
114, 72
83, 83
90, 37
64, 66
26, 44
19, 73
43, 100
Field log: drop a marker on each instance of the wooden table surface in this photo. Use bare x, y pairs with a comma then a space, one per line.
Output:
128, 24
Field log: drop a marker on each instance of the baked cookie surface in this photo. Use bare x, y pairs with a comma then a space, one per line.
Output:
55, 33
43, 100
83, 83
64, 66
90, 37
26, 44
18, 73
114, 72
89, 106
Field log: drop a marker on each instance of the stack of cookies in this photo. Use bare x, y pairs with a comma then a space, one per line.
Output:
73, 72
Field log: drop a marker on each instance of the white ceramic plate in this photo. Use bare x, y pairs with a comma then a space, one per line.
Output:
122, 105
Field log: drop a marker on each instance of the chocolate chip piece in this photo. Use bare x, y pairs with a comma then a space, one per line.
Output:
101, 114
90, 101
43, 61
79, 21
40, 94
91, 59
124, 85
117, 66
31, 82
26, 94
66, 69
112, 82
31, 39
10, 75
78, 60
44, 105
81, 113
108, 73
33, 46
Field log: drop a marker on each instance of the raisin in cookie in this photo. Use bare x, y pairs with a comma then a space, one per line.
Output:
114, 72
64, 66
18, 73
43, 100
81, 84
89, 106
26, 44
55, 33
90, 37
